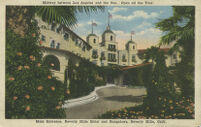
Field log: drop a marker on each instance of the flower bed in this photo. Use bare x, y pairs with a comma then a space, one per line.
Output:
181, 108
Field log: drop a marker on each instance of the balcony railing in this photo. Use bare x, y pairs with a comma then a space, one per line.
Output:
133, 60
102, 58
112, 49
124, 60
112, 60
94, 56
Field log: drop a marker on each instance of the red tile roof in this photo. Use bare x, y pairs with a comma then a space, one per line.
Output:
141, 51
134, 66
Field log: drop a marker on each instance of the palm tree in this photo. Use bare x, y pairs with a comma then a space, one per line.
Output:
18, 17
180, 29
151, 54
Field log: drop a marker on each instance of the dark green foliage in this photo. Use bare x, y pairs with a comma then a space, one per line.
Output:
52, 62
138, 76
31, 91
84, 78
150, 54
180, 28
111, 72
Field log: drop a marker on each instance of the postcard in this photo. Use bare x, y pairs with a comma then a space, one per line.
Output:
100, 63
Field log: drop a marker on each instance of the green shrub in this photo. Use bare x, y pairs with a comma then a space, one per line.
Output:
139, 76
31, 91
84, 78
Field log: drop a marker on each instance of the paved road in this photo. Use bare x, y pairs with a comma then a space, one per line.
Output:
112, 98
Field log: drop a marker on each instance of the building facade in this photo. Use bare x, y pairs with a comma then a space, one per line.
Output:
60, 45
106, 53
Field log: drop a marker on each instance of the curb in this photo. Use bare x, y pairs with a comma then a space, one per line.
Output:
86, 99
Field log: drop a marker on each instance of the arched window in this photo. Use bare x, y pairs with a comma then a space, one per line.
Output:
52, 44
111, 38
58, 45
52, 62
133, 47
94, 40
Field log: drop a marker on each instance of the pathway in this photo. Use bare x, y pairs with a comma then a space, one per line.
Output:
110, 98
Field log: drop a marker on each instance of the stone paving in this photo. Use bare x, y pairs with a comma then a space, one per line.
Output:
112, 98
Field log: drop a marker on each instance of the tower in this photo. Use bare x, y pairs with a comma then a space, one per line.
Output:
110, 44
131, 48
93, 40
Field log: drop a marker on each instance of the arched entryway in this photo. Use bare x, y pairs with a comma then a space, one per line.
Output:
52, 62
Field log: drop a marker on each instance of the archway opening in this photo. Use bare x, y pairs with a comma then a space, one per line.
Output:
52, 62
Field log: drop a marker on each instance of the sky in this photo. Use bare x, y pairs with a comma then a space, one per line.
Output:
125, 19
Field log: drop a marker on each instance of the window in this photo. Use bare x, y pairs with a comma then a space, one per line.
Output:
57, 30
66, 36
53, 27
52, 44
133, 58
111, 57
58, 45
42, 37
94, 62
77, 42
94, 40
94, 52
123, 57
111, 47
74, 38
83, 48
102, 54
111, 38
80, 43
133, 47
174, 56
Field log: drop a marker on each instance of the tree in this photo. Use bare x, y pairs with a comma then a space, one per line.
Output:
179, 31
31, 89
151, 54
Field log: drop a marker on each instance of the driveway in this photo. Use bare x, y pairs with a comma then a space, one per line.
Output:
111, 98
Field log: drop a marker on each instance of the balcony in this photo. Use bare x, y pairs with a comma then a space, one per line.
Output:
94, 56
112, 60
133, 60
102, 58
124, 60
112, 49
